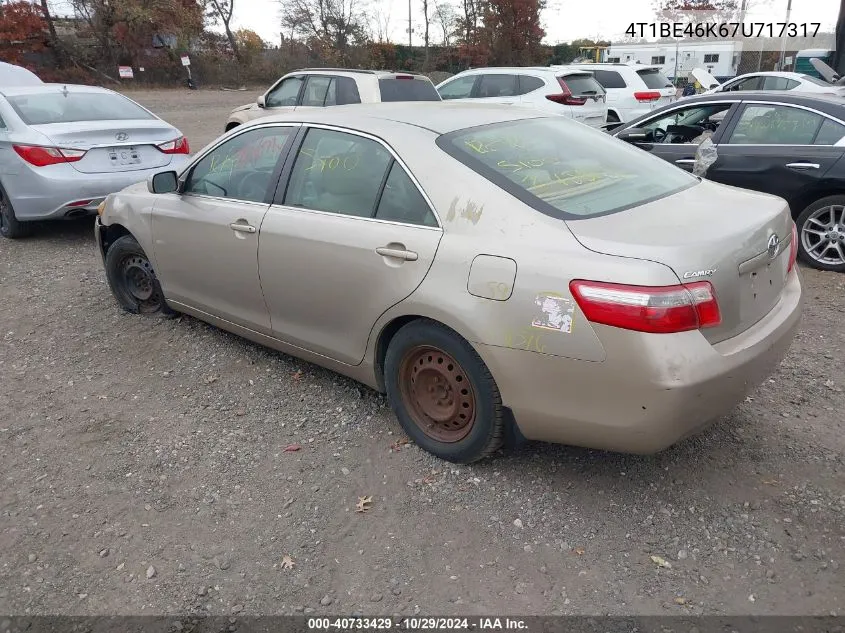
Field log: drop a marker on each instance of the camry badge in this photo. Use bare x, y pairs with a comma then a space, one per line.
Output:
121, 136
693, 274
773, 246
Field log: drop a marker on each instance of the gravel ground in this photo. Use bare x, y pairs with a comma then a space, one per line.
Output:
144, 470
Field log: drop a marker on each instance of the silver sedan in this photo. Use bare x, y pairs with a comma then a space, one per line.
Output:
64, 148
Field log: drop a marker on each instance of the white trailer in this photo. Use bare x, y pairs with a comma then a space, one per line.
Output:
678, 59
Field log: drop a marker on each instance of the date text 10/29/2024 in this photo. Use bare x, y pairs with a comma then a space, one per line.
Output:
416, 623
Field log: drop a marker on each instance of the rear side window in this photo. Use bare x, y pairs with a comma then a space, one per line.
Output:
527, 84
609, 79
830, 133
779, 83
61, 107
407, 90
495, 85
582, 85
346, 91
654, 79
401, 201
564, 169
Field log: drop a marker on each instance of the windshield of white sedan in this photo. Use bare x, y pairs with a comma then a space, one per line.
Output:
565, 169
62, 107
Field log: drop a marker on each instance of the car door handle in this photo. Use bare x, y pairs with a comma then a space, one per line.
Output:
685, 161
396, 253
803, 165
241, 227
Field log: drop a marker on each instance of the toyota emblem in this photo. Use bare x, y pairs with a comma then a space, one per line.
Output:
773, 246
121, 136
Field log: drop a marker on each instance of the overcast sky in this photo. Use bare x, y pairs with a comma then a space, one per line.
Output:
564, 20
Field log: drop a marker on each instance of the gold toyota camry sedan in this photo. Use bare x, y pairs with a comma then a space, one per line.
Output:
494, 270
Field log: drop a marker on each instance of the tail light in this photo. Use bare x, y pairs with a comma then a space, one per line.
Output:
43, 156
793, 249
654, 309
646, 96
178, 146
565, 97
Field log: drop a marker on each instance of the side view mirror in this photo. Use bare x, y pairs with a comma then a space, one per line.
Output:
633, 135
261, 102
163, 182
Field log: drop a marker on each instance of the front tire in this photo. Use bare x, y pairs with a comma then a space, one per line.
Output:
821, 234
132, 279
443, 394
10, 226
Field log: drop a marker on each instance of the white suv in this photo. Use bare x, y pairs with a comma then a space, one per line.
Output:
566, 91
321, 87
632, 89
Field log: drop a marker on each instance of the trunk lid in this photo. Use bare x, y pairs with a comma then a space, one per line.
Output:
113, 146
709, 233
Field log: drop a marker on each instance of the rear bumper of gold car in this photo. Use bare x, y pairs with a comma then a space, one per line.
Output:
651, 391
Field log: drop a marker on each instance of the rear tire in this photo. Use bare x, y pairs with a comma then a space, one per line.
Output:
10, 226
132, 279
443, 394
821, 234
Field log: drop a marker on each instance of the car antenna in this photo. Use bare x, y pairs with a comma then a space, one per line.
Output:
64, 90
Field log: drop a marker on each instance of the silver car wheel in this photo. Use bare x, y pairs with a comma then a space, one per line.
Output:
823, 235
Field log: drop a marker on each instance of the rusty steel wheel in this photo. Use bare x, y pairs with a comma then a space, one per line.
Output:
442, 392
440, 398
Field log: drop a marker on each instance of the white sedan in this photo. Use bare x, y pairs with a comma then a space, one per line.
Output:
798, 82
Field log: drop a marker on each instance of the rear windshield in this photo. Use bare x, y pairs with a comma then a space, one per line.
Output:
407, 90
60, 107
582, 85
816, 80
654, 79
565, 169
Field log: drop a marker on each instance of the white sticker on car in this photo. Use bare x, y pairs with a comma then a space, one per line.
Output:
555, 313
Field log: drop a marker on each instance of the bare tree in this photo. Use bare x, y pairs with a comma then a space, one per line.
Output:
426, 26
223, 10
445, 17
58, 49
336, 24
381, 16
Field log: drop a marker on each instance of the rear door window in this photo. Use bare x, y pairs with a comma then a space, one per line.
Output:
410, 89
776, 125
460, 88
496, 85
609, 78
778, 83
338, 173
654, 79
316, 90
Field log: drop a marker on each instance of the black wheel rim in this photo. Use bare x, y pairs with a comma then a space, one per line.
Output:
139, 282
